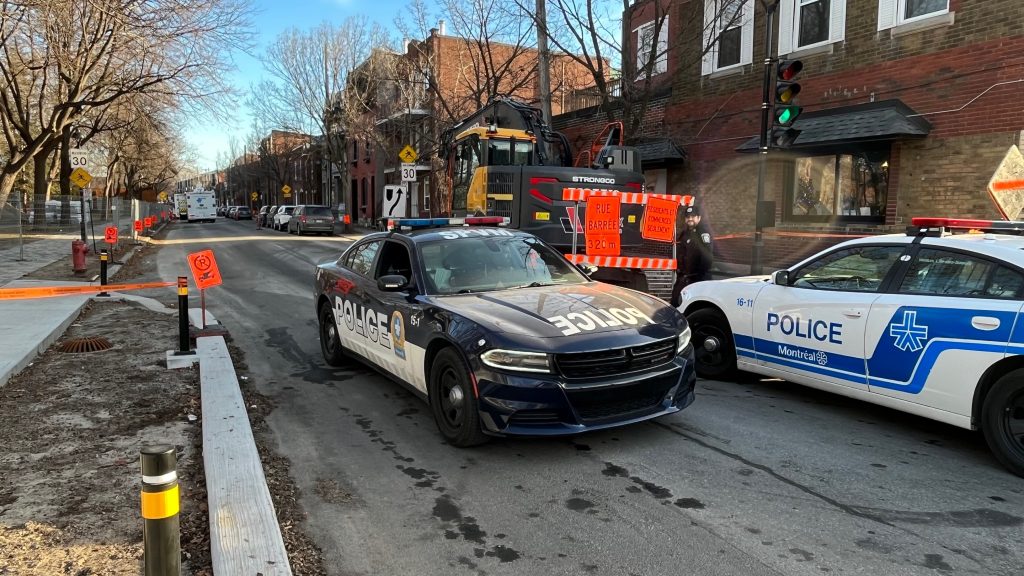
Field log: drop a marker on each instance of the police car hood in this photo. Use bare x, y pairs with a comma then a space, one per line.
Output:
573, 310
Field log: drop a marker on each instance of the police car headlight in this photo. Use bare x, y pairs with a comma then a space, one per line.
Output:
517, 360
684, 339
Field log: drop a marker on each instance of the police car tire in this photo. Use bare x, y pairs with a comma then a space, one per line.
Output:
710, 322
1003, 397
333, 354
448, 364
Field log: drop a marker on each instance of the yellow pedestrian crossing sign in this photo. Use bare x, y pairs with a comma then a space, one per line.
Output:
286, 190
254, 196
80, 178
408, 155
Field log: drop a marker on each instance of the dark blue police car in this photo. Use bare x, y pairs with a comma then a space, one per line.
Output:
499, 333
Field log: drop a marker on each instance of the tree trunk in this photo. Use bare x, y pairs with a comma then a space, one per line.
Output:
40, 187
65, 177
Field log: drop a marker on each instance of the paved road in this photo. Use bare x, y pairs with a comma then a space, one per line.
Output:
760, 477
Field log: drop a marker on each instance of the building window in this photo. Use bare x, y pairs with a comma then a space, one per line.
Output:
911, 9
896, 12
728, 34
730, 20
812, 18
840, 187
644, 43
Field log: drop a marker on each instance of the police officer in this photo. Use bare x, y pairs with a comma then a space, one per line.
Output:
693, 252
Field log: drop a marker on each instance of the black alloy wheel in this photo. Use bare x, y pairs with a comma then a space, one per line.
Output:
330, 339
713, 346
452, 401
1002, 420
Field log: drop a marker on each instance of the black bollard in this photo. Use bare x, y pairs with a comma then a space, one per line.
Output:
161, 535
104, 256
183, 347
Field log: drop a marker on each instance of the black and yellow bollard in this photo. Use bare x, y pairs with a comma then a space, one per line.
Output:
183, 346
160, 505
104, 257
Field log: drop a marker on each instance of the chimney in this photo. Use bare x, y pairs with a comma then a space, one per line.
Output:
433, 31
440, 25
405, 44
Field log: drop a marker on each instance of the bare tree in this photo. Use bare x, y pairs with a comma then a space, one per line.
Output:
309, 72
593, 34
62, 60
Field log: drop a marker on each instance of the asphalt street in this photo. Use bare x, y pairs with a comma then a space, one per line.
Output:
759, 477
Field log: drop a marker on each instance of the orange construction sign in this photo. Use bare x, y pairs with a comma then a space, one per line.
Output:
110, 235
137, 225
659, 220
55, 291
602, 226
148, 222
204, 269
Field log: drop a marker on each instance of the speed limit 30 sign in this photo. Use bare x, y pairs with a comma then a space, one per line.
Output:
408, 172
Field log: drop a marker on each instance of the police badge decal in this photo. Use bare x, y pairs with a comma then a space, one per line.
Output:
398, 334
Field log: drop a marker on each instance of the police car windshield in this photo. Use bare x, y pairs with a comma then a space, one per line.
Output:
480, 264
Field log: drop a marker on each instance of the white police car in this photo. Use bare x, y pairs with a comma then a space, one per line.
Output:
499, 333
928, 322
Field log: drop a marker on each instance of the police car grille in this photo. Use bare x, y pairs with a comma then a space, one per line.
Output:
527, 417
613, 362
600, 403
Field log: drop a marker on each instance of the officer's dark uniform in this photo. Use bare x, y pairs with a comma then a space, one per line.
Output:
693, 250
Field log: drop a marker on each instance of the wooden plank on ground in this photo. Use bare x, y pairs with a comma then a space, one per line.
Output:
244, 535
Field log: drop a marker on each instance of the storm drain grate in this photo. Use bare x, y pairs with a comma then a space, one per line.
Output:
87, 344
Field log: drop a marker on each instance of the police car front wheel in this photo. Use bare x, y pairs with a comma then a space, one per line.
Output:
713, 347
452, 402
330, 341
1002, 420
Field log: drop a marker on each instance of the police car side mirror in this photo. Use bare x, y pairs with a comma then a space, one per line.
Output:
587, 269
781, 277
392, 283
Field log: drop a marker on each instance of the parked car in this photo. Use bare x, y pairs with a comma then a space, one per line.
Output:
309, 218
268, 218
230, 212
262, 214
281, 218
243, 213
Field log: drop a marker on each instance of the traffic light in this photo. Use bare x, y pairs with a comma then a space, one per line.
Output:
785, 110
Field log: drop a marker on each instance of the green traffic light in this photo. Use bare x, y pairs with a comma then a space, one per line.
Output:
785, 116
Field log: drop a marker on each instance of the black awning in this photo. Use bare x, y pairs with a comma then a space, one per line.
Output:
659, 152
871, 122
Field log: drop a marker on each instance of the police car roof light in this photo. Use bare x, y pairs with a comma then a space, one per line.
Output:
1005, 226
414, 223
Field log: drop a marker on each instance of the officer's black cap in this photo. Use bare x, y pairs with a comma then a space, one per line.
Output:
694, 210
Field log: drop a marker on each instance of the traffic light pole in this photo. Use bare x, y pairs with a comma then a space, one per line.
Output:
762, 165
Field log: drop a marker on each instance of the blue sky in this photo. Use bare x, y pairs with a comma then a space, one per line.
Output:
208, 138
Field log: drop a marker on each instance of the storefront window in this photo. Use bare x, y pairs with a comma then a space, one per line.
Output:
840, 187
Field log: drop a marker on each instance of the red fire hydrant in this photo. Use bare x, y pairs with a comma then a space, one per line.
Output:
78, 251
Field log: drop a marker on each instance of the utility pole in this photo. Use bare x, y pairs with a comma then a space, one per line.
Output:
543, 61
762, 165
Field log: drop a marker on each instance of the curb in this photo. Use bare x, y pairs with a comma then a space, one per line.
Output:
245, 537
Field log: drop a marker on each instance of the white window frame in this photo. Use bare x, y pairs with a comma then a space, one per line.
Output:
643, 48
789, 26
711, 27
796, 25
901, 12
892, 14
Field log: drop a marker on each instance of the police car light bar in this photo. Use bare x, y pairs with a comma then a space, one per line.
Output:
969, 224
414, 223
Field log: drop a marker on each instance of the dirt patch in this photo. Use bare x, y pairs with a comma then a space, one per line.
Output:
73, 425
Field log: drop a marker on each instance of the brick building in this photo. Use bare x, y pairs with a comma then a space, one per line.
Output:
464, 73
909, 106
280, 158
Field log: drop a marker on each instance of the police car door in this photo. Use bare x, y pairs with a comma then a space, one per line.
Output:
812, 330
945, 322
350, 306
398, 314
